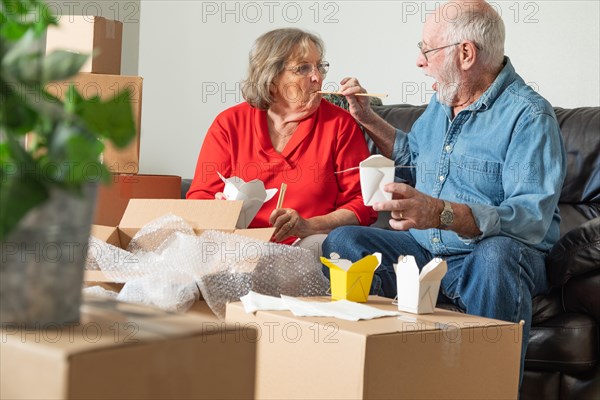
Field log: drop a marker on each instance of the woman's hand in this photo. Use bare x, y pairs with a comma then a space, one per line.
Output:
220, 196
287, 222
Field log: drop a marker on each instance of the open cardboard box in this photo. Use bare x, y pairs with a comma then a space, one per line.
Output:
202, 215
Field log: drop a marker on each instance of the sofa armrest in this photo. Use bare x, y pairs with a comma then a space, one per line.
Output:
185, 186
576, 253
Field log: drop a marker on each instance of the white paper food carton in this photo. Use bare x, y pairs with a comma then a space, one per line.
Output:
418, 292
252, 193
375, 172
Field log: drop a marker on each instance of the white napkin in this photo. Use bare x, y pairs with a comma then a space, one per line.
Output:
255, 301
341, 309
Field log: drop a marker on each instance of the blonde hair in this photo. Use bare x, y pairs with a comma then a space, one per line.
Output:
267, 60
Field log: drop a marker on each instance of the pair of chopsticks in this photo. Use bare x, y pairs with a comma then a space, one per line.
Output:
357, 94
281, 195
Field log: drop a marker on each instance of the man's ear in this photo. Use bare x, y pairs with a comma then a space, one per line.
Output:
468, 54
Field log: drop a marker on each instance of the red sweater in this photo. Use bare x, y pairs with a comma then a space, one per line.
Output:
238, 144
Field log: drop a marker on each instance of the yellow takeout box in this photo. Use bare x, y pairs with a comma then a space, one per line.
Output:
351, 281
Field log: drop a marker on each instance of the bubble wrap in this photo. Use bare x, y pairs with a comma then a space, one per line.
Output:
166, 267
100, 292
234, 265
168, 290
158, 233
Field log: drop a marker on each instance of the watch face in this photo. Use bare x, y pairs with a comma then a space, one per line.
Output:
446, 217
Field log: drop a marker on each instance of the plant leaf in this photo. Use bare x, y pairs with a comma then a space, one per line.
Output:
111, 119
15, 114
19, 193
61, 64
23, 61
12, 30
74, 155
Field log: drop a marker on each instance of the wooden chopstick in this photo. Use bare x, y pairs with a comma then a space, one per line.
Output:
357, 94
281, 195
353, 168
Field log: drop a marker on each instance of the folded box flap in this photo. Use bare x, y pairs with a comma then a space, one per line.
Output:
377, 161
262, 234
108, 234
434, 270
407, 271
336, 264
367, 264
200, 214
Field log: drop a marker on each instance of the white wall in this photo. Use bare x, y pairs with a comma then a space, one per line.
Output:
192, 55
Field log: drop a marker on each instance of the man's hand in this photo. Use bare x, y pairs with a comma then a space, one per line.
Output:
358, 106
382, 133
413, 209
410, 208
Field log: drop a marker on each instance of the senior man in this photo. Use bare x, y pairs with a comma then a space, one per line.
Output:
486, 166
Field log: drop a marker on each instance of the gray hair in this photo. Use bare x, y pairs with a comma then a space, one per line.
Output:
267, 60
480, 23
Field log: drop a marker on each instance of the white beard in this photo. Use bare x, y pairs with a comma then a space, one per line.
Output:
449, 83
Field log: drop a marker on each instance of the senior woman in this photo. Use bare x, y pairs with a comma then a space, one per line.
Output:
286, 133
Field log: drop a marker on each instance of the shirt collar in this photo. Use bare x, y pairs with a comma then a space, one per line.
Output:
506, 76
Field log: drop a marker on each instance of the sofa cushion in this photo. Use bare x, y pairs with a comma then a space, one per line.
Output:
567, 343
582, 294
582, 386
580, 196
546, 306
540, 385
576, 253
401, 116
580, 128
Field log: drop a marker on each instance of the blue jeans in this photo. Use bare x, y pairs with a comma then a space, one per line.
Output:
498, 279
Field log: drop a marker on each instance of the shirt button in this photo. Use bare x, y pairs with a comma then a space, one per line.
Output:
442, 177
448, 148
435, 240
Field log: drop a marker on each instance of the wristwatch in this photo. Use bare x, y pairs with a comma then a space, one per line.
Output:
447, 215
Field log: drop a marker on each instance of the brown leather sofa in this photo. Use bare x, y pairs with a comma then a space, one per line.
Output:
563, 357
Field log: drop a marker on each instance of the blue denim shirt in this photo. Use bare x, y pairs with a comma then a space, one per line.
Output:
503, 156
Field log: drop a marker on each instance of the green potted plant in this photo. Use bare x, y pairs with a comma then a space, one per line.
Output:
47, 182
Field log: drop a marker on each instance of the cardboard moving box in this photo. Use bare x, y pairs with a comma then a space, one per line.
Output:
117, 160
200, 214
91, 35
126, 351
442, 355
112, 199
